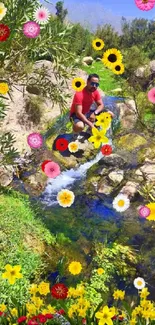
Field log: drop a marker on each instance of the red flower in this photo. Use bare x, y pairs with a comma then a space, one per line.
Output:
42, 318
32, 322
120, 318
114, 317
61, 144
106, 150
4, 32
44, 163
84, 321
49, 316
2, 313
61, 312
59, 291
21, 319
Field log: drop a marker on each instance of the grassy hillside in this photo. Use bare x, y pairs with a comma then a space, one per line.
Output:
23, 240
108, 81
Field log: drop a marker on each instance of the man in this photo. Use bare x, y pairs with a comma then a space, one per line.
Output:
80, 113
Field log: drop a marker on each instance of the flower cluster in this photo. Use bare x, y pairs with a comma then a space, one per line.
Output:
62, 145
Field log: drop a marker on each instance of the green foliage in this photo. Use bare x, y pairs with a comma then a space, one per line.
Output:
80, 40
114, 259
61, 12
21, 237
110, 37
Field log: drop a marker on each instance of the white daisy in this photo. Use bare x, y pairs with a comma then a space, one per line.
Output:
41, 15
3, 10
121, 203
139, 283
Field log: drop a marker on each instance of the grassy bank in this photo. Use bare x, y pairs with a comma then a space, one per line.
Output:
108, 81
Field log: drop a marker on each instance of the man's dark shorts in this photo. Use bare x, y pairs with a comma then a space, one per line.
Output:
75, 119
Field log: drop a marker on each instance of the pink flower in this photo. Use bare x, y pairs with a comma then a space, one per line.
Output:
151, 95
31, 29
41, 15
145, 4
35, 140
144, 212
52, 169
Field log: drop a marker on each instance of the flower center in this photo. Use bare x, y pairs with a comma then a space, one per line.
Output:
78, 84
12, 273
105, 316
98, 138
139, 283
52, 170
112, 58
60, 291
98, 44
145, 1
120, 203
117, 68
1, 10
2, 32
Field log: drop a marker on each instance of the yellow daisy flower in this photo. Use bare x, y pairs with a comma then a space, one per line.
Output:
132, 321
98, 44
3, 10
37, 301
43, 288
100, 271
144, 293
98, 137
73, 146
31, 308
12, 273
51, 309
151, 206
111, 57
104, 120
78, 84
65, 198
75, 267
118, 68
82, 312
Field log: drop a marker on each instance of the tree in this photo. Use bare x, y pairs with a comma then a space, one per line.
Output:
108, 34
61, 12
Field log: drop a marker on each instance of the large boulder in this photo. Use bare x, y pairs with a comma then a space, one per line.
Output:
128, 115
130, 141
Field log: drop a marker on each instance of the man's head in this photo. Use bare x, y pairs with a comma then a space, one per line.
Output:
92, 82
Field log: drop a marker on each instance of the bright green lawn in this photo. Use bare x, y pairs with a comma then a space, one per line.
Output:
108, 81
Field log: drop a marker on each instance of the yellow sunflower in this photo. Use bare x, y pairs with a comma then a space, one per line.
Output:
98, 137
118, 68
78, 84
65, 198
98, 44
151, 206
111, 57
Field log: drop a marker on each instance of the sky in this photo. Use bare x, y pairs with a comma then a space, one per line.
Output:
91, 13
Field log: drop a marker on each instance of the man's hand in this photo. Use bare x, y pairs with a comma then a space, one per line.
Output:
111, 113
92, 117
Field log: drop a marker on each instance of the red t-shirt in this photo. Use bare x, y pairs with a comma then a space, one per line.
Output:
86, 99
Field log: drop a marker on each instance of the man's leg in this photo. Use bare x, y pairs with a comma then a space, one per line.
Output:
78, 127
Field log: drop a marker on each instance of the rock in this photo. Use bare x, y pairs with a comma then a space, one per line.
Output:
152, 66
147, 171
104, 187
6, 175
98, 59
113, 160
130, 189
128, 116
130, 142
140, 72
88, 60
116, 176
117, 90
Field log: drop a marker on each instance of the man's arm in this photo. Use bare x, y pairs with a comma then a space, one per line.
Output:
81, 116
100, 106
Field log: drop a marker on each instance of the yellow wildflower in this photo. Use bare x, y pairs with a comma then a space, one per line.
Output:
3, 88
146, 313
151, 206
51, 309
80, 290
136, 311
33, 289
146, 304
31, 308
104, 120
72, 310
43, 288
133, 321
14, 312
2, 308
98, 137
75, 267
71, 292
144, 293
100, 271
12, 273
152, 314
37, 301
82, 312
105, 316
119, 294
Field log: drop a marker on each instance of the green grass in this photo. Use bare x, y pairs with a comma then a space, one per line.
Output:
23, 239
108, 81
